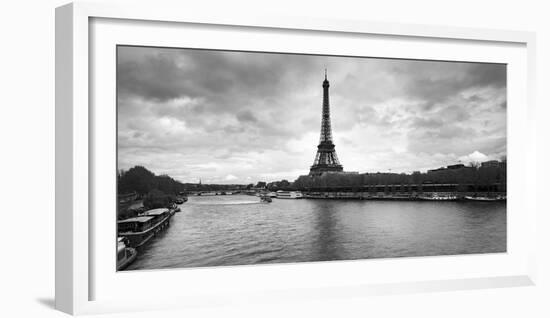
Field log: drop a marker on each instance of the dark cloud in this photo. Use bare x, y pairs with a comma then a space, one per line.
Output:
435, 82
230, 77
155, 77
245, 116
427, 122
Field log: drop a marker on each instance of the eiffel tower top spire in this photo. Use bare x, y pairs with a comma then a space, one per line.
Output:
326, 159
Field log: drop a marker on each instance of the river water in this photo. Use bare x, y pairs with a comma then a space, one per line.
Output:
237, 229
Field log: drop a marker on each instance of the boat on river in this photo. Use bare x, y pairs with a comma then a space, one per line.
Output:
141, 229
438, 197
486, 199
264, 198
125, 255
181, 200
207, 194
289, 194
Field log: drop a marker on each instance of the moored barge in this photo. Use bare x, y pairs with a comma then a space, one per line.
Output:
141, 229
486, 198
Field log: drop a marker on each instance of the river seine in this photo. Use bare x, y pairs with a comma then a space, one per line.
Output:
238, 229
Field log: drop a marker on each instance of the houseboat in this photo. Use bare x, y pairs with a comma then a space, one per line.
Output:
207, 194
139, 230
289, 194
486, 199
125, 255
438, 197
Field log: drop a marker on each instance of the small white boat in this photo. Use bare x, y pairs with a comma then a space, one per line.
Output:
289, 194
125, 255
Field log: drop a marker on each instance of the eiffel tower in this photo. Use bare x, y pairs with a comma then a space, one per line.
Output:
326, 159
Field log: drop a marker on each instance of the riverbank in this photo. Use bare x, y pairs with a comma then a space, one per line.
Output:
406, 196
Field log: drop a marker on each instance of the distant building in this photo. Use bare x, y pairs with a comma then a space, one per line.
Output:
342, 172
457, 166
436, 170
490, 164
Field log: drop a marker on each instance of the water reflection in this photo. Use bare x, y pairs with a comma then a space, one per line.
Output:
325, 244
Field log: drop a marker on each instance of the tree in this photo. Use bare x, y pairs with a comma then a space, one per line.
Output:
140, 180
166, 184
136, 179
157, 199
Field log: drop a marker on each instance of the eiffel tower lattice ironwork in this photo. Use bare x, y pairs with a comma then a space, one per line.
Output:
326, 159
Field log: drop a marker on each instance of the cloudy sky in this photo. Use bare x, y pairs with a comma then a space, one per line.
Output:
238, 117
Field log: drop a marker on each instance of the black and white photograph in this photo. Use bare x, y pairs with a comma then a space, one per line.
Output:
229, 158
257, 159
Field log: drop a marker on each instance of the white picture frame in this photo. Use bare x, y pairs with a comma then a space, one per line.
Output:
76, 168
